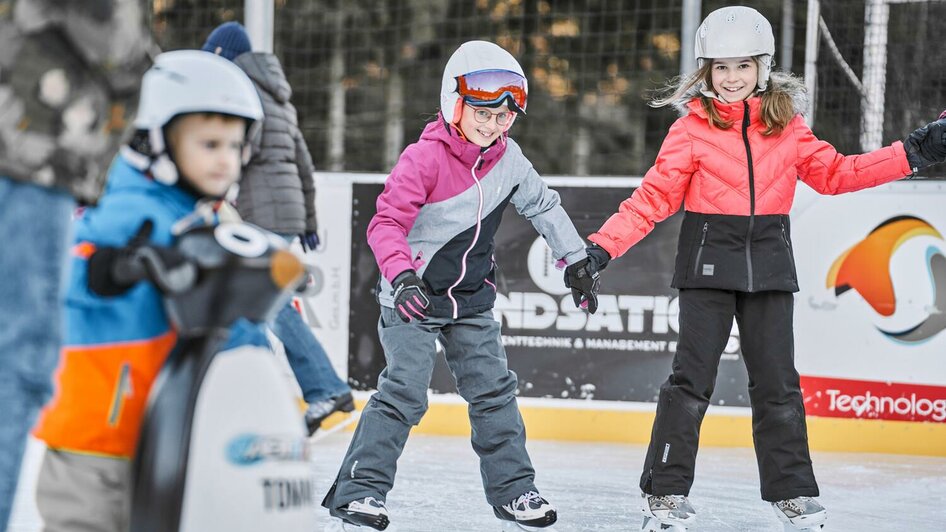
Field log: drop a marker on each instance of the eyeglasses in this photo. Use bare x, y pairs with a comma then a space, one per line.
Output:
493, 87
483, 116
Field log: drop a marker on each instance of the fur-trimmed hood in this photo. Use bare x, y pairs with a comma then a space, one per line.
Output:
778, 81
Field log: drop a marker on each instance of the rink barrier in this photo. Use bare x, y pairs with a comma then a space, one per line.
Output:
869, 387
447, 416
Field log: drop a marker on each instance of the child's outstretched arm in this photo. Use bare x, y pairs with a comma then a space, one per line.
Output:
543, 207
822, 168
660, 195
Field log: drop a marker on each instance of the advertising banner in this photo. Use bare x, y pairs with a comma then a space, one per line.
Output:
870, 320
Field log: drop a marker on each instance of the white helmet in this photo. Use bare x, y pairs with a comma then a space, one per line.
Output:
476, 56
736, 31
191, 81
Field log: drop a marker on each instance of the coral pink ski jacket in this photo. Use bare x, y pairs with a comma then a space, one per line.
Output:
737, 187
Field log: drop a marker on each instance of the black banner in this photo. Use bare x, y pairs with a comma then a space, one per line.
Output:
623, 352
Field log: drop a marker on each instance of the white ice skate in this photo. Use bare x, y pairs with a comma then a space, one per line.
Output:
337, 525
800, 513
529, 512
319, 411
671, 513
362, 515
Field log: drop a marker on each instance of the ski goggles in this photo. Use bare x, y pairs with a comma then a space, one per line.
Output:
487, 88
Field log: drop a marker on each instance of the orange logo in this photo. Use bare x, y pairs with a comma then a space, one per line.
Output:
865, 268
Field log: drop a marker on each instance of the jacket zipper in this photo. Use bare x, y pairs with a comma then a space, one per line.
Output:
476, 234
699, 252
745, 139
788, 244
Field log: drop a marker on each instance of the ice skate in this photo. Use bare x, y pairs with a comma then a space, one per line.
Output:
363, 514
352, 418
800, 513
671, 513
320, 410
339, 525
529, 511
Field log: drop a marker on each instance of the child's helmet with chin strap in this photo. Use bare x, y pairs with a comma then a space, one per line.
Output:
736, 31
481, 73
191, 81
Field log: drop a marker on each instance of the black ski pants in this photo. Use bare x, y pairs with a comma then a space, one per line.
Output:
778, 413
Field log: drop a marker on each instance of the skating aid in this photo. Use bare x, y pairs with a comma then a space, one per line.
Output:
211, 456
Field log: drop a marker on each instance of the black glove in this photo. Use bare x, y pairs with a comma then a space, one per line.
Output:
926, 145
410, 296
309, 241
101, 263
106, 261
583, 277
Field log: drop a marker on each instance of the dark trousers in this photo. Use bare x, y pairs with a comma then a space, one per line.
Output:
778, 413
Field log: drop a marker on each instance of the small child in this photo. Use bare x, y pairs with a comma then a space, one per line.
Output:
194, 114
433, 239
733, 160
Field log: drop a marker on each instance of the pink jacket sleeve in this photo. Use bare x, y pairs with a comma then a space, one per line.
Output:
660, 195
828, 172
405, 192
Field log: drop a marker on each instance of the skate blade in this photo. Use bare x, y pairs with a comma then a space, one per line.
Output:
803, 528
337, 525
652, 524
512, 526
321, 433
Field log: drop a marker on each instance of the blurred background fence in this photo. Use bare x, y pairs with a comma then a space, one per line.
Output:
366, 73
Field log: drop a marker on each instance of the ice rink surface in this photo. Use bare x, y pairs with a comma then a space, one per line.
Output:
594, 486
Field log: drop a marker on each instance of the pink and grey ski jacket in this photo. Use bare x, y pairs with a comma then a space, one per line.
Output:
737, 187
441, 207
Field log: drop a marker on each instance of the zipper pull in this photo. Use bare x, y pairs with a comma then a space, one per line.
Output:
705, 229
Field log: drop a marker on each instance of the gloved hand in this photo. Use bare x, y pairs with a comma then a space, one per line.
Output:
926, 145
101, 263
112, 271
309, 241
410, 296
584, 279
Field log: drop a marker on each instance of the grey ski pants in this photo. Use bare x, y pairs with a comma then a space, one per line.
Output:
476, 357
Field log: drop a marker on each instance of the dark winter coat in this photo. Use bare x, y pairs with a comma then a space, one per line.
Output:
277, 190
69, 78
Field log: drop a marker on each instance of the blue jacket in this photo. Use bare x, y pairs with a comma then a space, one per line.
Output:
115, 346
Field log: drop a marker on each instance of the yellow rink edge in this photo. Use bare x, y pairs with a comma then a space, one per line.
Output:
616, 422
